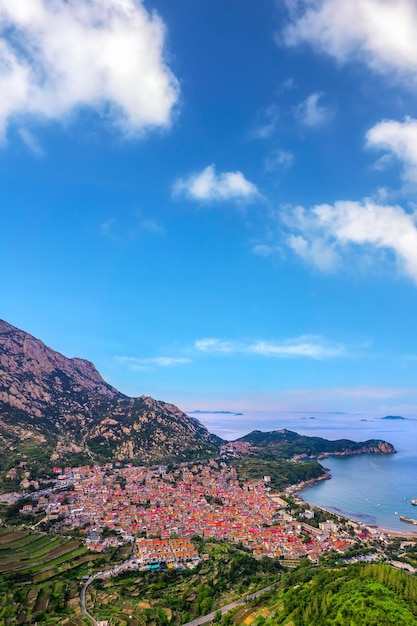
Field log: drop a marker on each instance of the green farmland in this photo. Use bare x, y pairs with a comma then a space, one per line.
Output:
40, 578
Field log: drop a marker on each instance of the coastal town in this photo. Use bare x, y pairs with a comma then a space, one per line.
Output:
160, 509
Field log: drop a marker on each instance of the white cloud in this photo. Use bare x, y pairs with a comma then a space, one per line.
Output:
381, 33
57, 57
152, 226
31, 143
318, 251
160, 361
326, 233
208, 186
266, 122
264, 249
131, 227
312, 113
307, 346
310, 346
398, 139
278, 160
212, 344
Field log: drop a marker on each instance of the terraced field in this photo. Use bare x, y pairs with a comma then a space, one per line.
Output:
39, 578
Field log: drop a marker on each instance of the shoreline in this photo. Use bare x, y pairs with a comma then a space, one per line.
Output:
374, 527
298, 488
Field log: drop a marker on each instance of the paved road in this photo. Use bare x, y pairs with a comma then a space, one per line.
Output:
82, 597
404, 566
116, 569
206, 619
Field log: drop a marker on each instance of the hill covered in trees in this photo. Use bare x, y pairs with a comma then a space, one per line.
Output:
359, 595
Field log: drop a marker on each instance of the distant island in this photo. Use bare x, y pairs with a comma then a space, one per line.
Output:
290, 460
309, 418
393, 417
291, 445
198, 412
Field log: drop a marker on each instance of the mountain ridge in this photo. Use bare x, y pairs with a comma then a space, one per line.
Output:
63, 405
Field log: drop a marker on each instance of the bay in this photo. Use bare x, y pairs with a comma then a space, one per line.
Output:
373, 488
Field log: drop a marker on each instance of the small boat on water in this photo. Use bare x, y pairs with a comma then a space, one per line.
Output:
414, 501
408, 519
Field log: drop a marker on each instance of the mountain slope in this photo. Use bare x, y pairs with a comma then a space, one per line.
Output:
61, 409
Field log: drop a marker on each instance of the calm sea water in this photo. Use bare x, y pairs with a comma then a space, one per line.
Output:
372, 488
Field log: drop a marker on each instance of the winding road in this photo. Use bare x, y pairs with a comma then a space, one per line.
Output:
205, 619
82, 598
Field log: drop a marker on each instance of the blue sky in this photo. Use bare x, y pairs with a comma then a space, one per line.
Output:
215, 202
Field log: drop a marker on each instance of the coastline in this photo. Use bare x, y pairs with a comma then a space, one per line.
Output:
378, 529
297, 489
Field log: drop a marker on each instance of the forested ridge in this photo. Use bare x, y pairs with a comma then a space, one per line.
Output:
354, 595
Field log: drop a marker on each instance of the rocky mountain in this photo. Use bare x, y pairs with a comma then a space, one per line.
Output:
60, 409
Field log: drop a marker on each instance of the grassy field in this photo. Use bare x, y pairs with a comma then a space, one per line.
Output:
40, 578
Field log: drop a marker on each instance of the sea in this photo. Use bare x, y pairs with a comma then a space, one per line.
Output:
375, 489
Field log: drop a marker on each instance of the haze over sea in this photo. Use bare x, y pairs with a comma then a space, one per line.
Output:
370, 488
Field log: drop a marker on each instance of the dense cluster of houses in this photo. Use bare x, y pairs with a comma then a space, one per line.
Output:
158, 507
168, 551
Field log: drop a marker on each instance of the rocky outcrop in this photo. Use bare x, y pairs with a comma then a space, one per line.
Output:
62, 407
373, 446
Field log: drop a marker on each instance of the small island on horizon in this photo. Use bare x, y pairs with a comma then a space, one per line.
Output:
393, 417
200, 412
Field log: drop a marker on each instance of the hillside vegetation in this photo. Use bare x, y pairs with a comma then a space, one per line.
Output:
287, 444
357, 595
177, 596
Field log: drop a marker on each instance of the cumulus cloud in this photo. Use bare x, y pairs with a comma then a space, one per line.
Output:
208, 186
327, 233
310, 346
381, 33
159, 361
399, 139
318, 251
312, 113
59, 56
